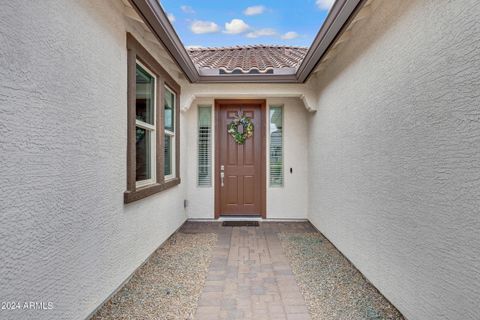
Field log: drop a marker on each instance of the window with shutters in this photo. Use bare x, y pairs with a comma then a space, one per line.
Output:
204, 155
276, 146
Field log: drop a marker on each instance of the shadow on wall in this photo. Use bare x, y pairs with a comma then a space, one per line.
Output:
350, 46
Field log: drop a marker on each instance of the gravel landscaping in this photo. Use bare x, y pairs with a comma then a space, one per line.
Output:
168, 285
332, 287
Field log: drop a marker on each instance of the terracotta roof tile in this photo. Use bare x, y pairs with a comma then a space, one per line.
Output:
260, 58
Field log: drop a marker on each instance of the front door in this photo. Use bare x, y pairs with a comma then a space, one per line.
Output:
240, 181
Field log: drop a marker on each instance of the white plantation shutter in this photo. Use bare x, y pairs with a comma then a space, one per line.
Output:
204, 146
276, 146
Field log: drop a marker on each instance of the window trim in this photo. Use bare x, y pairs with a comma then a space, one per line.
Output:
270, 185
136, 52
210, 144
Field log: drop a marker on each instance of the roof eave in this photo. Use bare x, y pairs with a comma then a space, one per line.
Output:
337, 18
157, 20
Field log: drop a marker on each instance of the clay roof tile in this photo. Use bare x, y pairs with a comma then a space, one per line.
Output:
246, 58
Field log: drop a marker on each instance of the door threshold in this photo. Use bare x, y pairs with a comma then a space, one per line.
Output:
246, 218
240, 218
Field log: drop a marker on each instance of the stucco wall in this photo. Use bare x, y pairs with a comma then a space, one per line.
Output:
395, 155
291, 200
287, 202
66, 236
201, 202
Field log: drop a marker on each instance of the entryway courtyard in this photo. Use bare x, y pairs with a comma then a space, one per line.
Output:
277, 270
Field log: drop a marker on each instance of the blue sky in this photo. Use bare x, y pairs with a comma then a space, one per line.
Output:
228, 23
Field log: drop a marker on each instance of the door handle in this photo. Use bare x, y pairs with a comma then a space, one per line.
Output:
222, 175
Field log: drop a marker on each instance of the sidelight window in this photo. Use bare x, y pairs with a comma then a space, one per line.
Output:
276, 146
204, 178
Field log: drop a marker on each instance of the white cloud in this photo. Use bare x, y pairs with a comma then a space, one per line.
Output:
290, 35
200, 27
187, 9
171, 17
236, 26
254, 10
325, 4
261, 33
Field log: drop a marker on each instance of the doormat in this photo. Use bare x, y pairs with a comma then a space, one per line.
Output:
240, 224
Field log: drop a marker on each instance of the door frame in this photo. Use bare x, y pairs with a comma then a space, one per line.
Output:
263, 166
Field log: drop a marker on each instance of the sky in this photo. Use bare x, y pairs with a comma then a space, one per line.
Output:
217, 23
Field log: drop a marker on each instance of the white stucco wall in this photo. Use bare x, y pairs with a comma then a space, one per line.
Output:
305, 91
201, 200
66, 236
291, 200
287, 202
395, 155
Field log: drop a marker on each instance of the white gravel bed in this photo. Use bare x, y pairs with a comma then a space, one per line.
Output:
332, 287
168, 285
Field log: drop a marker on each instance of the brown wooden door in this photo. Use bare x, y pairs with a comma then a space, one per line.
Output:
242, 191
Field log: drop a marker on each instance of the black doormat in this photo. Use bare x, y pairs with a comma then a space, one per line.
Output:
240, 223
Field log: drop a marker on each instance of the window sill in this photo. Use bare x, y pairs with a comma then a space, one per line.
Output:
143, 192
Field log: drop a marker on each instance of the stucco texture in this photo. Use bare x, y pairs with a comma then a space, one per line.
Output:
66, 236
287, 202
395, 155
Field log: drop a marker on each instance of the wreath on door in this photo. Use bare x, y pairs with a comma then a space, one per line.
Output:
247, 125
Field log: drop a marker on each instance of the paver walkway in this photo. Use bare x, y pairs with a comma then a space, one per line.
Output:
250, 277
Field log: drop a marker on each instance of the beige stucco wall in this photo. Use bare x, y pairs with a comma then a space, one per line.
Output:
290, 201
66, 236
387, 167
200, 199
395, 155
287, 202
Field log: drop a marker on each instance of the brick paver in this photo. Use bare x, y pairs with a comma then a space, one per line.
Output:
249, 277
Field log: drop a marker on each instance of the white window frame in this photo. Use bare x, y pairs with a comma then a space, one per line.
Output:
153, 133
171, 134
281, 107
210, 142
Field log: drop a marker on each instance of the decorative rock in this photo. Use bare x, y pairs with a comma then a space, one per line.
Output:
168, 285
332, 287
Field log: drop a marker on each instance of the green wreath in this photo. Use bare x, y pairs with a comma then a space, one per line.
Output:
247, 124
